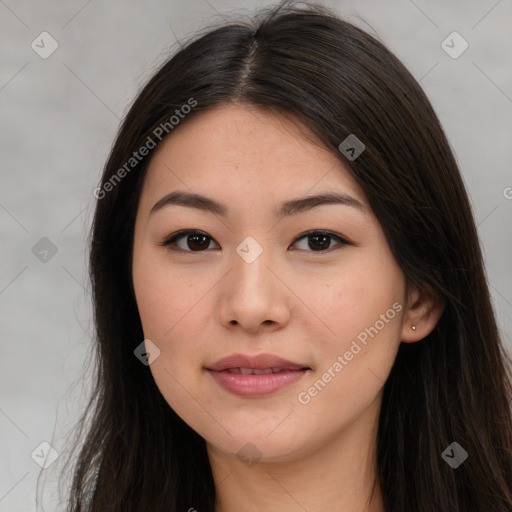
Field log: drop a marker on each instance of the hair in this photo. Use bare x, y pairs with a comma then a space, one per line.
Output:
454, 385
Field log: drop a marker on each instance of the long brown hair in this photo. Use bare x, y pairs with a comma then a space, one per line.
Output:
453, 386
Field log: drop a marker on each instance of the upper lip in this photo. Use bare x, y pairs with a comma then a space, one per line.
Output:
259, 362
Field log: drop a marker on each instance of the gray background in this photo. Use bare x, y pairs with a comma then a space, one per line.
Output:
60, 116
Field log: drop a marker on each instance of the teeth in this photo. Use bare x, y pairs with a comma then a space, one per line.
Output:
254, 371
266, 371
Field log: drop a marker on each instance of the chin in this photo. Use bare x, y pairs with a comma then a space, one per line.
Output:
252, 448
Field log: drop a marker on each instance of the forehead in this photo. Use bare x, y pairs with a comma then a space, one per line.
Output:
244, 153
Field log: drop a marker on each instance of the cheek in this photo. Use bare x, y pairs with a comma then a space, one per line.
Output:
175, 314
363, 308
172, 316
356, 297
354, 362
166, 295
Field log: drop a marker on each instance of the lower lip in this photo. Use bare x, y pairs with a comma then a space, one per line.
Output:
256, 385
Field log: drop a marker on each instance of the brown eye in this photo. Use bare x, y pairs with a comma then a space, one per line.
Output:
195, 241
320, 241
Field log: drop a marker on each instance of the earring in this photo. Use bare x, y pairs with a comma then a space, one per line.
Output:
413, 327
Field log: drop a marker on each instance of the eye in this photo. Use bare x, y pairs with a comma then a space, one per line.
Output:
196, 241
320, 240
199, 241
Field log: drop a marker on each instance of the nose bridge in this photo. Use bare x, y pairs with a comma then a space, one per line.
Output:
251, 264
252, 294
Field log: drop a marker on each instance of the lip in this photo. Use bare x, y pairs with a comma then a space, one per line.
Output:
256, 385
259, 362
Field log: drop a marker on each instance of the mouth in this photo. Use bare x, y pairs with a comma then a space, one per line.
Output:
261, 371
255, 376
261, 364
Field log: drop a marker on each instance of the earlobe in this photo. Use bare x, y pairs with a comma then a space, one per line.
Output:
424, 309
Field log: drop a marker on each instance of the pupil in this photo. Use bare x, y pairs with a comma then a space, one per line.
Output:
325, 245
196, 237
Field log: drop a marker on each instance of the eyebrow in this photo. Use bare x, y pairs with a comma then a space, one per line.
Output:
287, 208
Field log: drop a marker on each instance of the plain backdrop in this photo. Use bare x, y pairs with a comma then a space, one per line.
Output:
59, 118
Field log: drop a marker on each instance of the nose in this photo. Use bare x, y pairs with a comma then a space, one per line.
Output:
253, 295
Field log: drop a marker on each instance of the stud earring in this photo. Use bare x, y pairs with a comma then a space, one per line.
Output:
413, 327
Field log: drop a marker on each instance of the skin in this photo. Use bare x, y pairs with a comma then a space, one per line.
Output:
293, 301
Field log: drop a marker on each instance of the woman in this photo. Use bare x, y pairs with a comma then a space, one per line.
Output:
289, 294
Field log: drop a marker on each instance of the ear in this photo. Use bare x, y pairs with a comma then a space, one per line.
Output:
424, 309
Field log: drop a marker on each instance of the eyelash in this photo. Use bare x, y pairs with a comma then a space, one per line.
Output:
171, 240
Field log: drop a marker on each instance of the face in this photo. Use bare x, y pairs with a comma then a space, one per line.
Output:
314, 284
